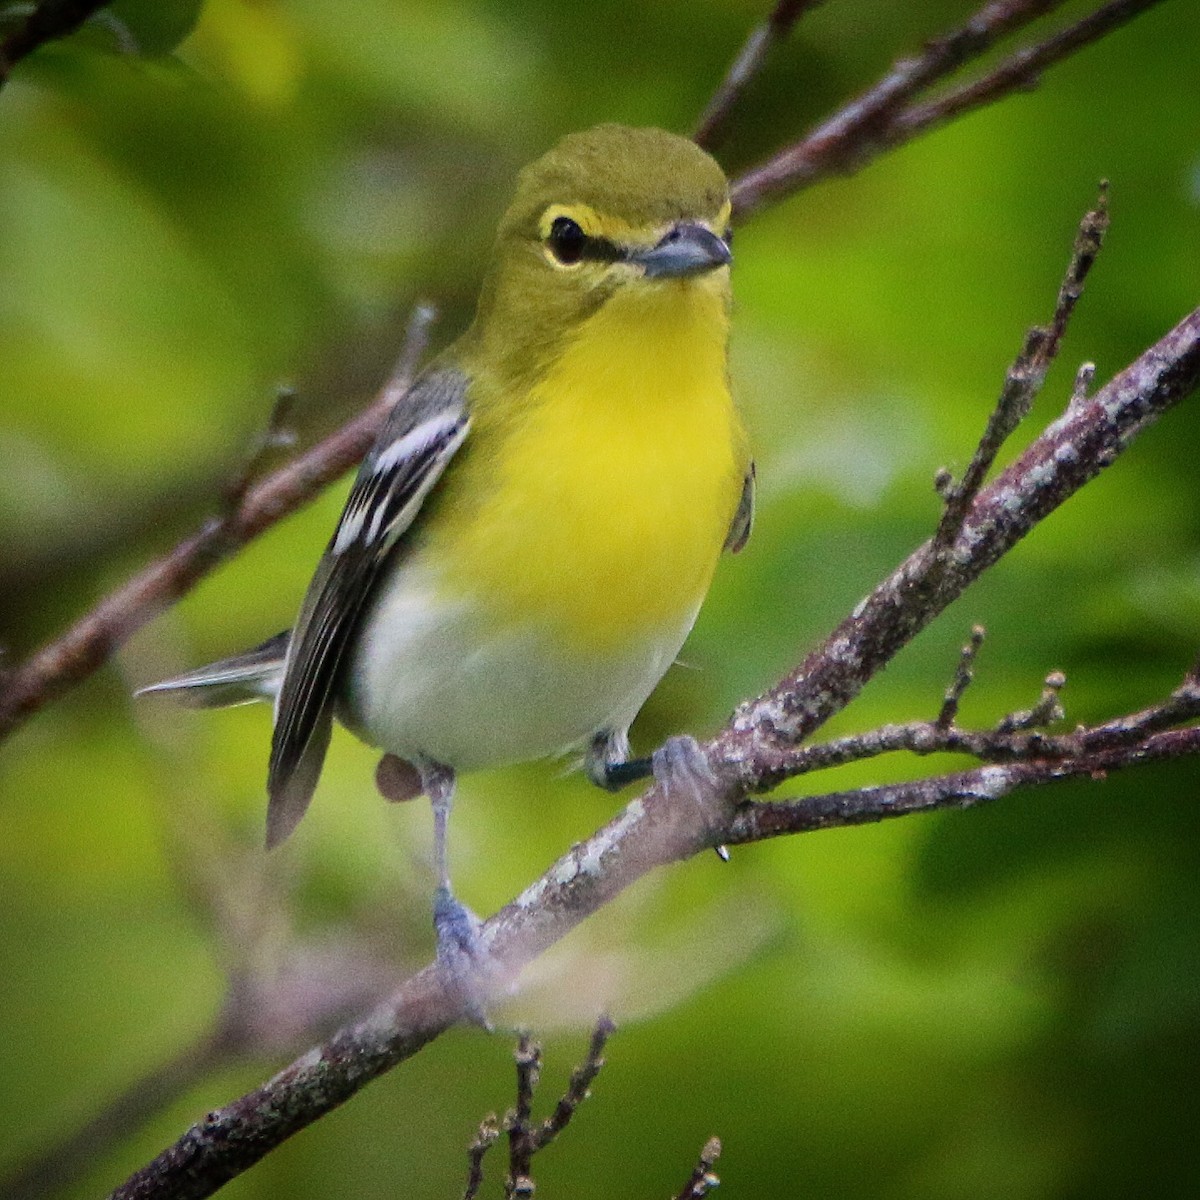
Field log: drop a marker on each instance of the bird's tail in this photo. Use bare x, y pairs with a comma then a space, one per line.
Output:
253, 675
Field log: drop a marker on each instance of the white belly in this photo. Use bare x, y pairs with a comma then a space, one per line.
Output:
432, 678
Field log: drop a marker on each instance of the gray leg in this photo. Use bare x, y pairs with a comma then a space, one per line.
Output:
457, 927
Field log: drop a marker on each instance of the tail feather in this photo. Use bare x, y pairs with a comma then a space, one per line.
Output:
253, 675
289, 799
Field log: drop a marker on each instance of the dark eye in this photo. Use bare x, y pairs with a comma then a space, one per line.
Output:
566, 241
729, 236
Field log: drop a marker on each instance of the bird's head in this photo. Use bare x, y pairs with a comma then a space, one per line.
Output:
610, 212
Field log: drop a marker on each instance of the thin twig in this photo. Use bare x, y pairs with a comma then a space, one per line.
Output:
884, 117
1021, 71
276, 434
702, 1180
95, 637
1026, 375
519, 1123
963, 677
525, 1139
578, 1089
749, 61
485, 1138
49, 20
1084, 378
1045, 712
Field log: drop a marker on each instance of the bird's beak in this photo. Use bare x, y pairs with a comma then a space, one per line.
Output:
685, 250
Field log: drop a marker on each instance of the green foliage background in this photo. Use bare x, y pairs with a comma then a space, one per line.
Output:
1003, 1003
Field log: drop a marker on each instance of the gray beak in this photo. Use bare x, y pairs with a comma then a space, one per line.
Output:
686, 250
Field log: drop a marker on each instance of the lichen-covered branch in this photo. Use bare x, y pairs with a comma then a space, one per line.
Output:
753, 753
1088, 437
961, 789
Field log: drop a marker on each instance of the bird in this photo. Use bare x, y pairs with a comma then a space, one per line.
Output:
528, 542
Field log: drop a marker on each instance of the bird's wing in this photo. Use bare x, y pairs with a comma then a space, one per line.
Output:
421, 436
743, 518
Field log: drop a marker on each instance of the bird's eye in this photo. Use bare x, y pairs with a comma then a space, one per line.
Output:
728, 237
566, 241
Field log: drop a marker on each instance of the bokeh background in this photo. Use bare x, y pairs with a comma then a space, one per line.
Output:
999, 1003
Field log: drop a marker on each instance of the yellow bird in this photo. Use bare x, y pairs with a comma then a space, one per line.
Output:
528, 542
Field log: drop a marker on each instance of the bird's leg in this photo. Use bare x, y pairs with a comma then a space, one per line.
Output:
457, 927
608, 764
677, 763
619, 775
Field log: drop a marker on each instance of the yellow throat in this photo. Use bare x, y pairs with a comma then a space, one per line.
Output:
612, 495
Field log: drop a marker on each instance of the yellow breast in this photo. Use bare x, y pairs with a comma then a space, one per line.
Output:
611, 485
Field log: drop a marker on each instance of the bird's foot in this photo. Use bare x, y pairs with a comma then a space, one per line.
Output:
681, 768
460, 951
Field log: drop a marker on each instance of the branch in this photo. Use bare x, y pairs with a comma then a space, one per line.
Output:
749, 61
1015, 738
92, 640
1019, 72
747, 757
49, 20
650, 832
1025, 377
883, 118
962, 789
703, 1180
1076, 448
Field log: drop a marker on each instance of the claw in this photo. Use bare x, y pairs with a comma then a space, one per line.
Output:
680, 763
682, 767
460, 950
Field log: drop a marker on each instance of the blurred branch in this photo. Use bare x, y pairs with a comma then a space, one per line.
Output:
883, 118
703, 1180
51, 1170
46, 22
1019, 72
91, 641
749, 61
265, 1014
754, 752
